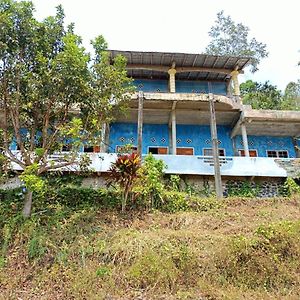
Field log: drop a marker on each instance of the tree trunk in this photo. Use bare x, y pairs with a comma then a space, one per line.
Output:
27, 204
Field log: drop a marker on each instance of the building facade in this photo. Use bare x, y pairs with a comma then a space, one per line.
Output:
170, 116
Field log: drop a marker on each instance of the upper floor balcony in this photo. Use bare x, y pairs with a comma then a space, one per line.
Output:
188, 76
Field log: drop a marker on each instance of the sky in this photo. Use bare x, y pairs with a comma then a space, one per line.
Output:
183, 26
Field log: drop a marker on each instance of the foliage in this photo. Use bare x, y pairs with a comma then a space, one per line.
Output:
261, 96
31, 180
290, 188
242, 189
77, 250
267, 96
230, 38
150, 186
124, 172
292, 96
265, 260
54, 95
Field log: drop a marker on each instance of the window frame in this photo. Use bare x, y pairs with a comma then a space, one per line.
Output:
157, 147
193, 148
223, 149
249, 151
277, 151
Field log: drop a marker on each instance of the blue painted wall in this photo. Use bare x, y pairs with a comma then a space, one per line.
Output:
126, 133
182, 86
198, 137
264, 143
195, 136
151, 85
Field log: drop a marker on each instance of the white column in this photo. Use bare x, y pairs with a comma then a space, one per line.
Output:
245, 139
140, 123
174, 132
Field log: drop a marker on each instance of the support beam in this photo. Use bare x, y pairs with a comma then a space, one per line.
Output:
171, 137
173, 118
215, 148
103, 134
140, 123
172, 88
237, 126
296, 146
236, 87
106, 138
245, 140
160, 68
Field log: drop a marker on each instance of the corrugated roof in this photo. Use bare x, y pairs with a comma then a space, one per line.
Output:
165, 59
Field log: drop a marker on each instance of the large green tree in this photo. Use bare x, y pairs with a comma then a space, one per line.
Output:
268, 96
261, 95
53, 93
291, 98
230, 38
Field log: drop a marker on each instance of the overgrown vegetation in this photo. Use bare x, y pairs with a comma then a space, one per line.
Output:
81, 248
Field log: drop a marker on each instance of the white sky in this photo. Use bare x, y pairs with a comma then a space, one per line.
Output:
182, 26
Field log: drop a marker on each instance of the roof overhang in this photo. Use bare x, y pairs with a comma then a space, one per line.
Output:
154, 65
269, 122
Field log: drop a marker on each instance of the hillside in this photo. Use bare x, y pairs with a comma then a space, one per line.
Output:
238, 249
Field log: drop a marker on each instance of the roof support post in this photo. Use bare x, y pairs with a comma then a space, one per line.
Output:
106, 137
172, 73
103, 135
174, 138
236, 87
296, 146
215, 148
140, 122
245, 140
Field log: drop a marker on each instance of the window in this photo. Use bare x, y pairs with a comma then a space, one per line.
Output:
252, 153
158, 150
209, 152
277, 153
88, 149
185, 151
91, 149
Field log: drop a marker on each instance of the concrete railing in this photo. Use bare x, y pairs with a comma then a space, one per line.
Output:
199, 165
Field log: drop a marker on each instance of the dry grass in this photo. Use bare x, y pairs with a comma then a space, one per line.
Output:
97, 254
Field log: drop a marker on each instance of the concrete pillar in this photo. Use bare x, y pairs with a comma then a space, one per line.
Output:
103, 134
215, 147
245, 139
172, 73
236, 86
174, 132
140, 123
296, 146
106, 138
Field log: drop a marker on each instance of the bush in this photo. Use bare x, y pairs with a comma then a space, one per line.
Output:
268, 260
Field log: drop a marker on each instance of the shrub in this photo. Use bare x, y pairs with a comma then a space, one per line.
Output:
153, 269
149, 188
268, 260
290, 187
124, 172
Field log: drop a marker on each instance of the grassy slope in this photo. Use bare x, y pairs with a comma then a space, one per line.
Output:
89, 253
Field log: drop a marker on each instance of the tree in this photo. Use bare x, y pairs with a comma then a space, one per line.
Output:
261, 95
54, 95
292, 96
230, 38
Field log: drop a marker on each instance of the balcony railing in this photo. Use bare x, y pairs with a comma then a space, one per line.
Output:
199, 165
